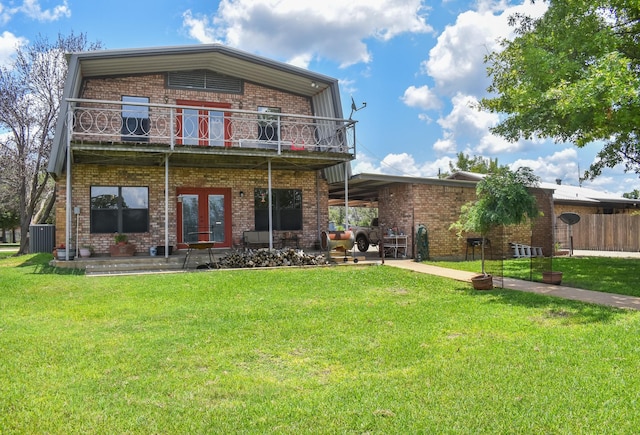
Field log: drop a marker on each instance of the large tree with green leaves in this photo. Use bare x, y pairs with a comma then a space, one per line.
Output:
573, 75
477, 164
30, 97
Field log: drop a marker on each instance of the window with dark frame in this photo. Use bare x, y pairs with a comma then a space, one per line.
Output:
268, 124
286, 209
135, 119
119, 209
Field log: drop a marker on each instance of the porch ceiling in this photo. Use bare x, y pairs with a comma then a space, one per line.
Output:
230, 158
364, 189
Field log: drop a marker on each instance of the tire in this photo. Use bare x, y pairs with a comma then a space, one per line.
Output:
362, 242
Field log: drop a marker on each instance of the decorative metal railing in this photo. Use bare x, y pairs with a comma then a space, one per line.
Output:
118, 122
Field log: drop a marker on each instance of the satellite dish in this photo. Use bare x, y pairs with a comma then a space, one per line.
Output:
570, 218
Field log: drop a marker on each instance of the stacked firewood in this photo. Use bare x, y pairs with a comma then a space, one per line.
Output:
266, 258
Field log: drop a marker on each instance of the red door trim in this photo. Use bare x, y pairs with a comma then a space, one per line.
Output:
203, 121
203, 210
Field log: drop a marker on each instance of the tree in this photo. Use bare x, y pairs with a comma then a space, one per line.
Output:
477, 164
9, 217
502, 198
573, 75
634, 194
30, 97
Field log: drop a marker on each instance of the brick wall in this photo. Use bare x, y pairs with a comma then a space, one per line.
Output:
314, 216
153, 87
405, 206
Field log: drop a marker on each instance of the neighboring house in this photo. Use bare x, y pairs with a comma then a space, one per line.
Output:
406, 202
178, 144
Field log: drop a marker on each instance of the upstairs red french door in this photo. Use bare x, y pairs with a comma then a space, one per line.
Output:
204, 215
205, 126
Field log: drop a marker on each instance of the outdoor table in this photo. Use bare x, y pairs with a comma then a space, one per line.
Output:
198, 246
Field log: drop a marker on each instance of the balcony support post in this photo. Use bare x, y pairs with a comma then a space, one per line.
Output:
68, 221
270, 205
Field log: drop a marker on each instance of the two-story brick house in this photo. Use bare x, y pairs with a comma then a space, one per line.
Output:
179, 144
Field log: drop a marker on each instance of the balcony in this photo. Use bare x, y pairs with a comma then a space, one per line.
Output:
114, 132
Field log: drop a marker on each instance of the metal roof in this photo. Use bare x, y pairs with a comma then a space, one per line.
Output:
567, 194
364, 188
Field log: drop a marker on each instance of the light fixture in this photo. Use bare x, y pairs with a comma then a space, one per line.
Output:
241, 194
314, 85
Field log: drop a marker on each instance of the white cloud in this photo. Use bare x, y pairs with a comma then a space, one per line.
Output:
432, 169
32, 9
280, 28
561, 165
445, 146
393, 164
8, 45
421, 97
456, 62
198, 27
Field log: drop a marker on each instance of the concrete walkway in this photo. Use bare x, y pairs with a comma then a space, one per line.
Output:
600, 298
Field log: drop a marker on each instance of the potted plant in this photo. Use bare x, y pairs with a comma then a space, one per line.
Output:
552, 277
61, 252
86, 251
122, 247
502, 198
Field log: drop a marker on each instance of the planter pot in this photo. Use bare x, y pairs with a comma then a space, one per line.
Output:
122, 250
482, 282
160, 250
552, 277
85, 252
62, 254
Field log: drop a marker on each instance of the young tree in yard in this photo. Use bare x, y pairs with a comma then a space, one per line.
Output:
502, 198
573, 75
30, 98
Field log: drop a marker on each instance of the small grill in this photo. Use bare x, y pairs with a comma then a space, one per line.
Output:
338, 244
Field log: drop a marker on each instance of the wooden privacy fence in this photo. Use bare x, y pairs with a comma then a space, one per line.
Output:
603, 232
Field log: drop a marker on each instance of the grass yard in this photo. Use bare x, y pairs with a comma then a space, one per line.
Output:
321, 350
609, 275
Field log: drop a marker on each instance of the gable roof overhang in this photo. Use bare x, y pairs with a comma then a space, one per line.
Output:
321, 89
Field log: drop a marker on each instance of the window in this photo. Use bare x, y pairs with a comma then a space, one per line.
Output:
135, 119
119, 209
268, 124
286, 209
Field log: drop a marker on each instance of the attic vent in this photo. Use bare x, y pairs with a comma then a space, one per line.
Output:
203, 79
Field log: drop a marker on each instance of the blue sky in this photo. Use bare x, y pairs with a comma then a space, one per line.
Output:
417, 64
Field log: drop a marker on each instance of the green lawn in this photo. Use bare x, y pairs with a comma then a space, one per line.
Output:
351, 349
609, 275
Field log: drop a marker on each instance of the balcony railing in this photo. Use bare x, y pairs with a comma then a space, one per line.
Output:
184, 126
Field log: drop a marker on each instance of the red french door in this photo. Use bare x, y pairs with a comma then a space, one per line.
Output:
204, 215
205, 126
